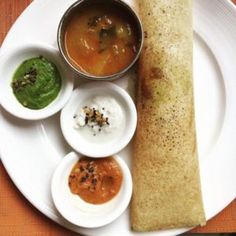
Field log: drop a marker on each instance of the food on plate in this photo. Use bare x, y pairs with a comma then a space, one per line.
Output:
109, 124
91, 192
167, 191
36, 83
100, 40
96, 181
101, 116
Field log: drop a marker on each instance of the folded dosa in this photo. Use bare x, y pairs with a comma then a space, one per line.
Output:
167, 191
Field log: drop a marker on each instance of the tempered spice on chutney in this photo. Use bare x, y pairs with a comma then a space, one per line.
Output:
96, 181
36, 82
101, 40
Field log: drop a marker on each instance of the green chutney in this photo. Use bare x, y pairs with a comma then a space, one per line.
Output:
36, 83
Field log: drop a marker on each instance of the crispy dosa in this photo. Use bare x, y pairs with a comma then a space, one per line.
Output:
167, 191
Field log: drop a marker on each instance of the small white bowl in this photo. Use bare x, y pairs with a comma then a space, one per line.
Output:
95, 146
11, 60
79, 212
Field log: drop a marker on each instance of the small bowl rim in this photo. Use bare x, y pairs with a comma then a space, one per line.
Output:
67, 163
126, 136
66, 76
95, 77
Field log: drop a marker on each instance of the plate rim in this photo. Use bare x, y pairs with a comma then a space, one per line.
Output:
43, 207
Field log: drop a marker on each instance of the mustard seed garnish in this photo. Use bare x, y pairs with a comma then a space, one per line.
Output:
29, 78
94, 181
93, 115
83, 179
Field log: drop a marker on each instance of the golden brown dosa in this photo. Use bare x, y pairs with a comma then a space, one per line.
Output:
165, 170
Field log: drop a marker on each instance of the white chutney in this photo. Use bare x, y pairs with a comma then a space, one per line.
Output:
91, 127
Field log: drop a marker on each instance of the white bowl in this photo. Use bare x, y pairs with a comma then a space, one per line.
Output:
11, 60
96, 147
79, 212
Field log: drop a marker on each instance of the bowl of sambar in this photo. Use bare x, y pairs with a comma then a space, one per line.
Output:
100, 40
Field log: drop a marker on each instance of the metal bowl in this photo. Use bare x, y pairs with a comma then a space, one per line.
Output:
114, 4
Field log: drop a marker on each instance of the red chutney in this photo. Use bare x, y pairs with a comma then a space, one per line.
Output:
100, 41
96, 181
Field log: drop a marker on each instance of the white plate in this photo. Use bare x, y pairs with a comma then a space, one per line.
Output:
30, 151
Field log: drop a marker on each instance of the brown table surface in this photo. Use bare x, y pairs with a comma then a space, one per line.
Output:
19, 217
